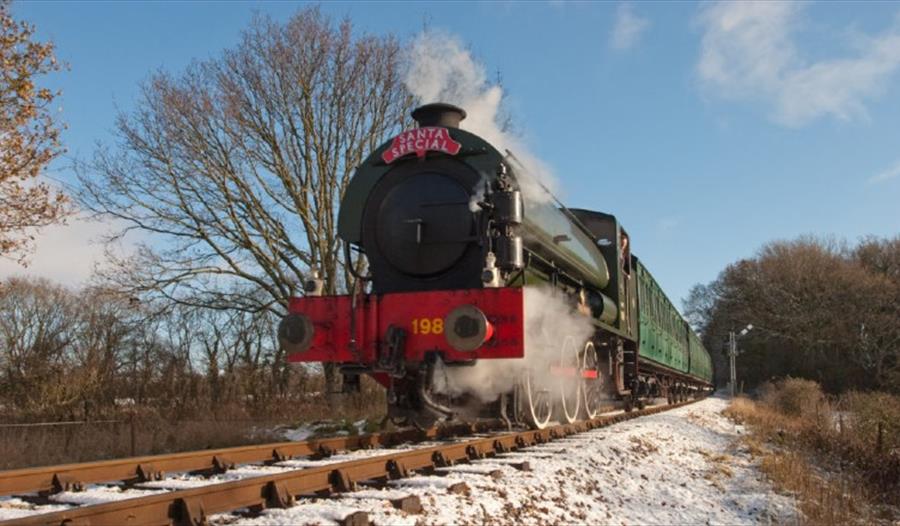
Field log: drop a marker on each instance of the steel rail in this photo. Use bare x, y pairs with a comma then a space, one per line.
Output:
53, 479
194, 506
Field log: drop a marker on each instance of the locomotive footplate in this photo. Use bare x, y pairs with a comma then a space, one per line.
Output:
391, 332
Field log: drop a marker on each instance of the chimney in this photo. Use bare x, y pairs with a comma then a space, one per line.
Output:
439, 114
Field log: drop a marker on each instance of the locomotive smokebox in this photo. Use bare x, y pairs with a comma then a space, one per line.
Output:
439, 114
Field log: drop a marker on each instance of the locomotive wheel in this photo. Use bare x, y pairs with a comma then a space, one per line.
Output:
533, 403
570, 382
591, 388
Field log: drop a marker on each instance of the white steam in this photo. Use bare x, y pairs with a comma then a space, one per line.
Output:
440, 69
554, 332
478, 196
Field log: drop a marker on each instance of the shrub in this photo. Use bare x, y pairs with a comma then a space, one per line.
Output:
867, 412
795, 397
857, 438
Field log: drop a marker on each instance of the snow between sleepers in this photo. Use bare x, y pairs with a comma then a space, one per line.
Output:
657, 469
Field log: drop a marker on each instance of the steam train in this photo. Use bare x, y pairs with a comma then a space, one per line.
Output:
456, 236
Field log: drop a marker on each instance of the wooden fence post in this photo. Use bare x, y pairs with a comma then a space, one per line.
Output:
131, 430
880, 440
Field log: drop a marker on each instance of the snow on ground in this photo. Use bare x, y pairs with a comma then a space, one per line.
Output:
683, 466
299, 433
322, 428
99, 495
16, 508
188, 481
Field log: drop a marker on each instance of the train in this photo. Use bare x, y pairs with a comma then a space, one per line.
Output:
458, 255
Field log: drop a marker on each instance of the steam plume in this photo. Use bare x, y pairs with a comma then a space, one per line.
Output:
440, 69
553, 332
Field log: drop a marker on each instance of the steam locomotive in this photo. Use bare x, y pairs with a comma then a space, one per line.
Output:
456, 235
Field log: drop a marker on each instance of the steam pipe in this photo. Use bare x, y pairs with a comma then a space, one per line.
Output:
432, 405
424, 396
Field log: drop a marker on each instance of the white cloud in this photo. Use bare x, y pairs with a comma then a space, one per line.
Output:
748, 51
891, 173
64, 253
628, 28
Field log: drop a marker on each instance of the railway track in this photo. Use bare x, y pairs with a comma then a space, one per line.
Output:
276, 478
46, 480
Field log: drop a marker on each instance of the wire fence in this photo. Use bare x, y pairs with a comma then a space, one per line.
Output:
129, 421
42, 443
58, 424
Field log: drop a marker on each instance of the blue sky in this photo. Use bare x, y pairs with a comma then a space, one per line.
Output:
708, 129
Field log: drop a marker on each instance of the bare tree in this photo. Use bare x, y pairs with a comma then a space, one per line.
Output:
880, 333
35, 334
238, 165
821, 311
29, 137
60, 351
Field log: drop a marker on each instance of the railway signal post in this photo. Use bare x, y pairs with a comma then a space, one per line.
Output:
732, 356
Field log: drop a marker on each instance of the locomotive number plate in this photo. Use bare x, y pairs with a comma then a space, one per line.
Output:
428, 326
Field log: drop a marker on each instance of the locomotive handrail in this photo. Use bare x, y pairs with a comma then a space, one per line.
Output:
562, 207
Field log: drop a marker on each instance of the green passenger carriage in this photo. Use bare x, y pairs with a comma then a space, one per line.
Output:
666, 340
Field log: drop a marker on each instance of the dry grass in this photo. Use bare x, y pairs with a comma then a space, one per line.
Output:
827, 454
720, 469
794, 397
824, 500
642, 447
